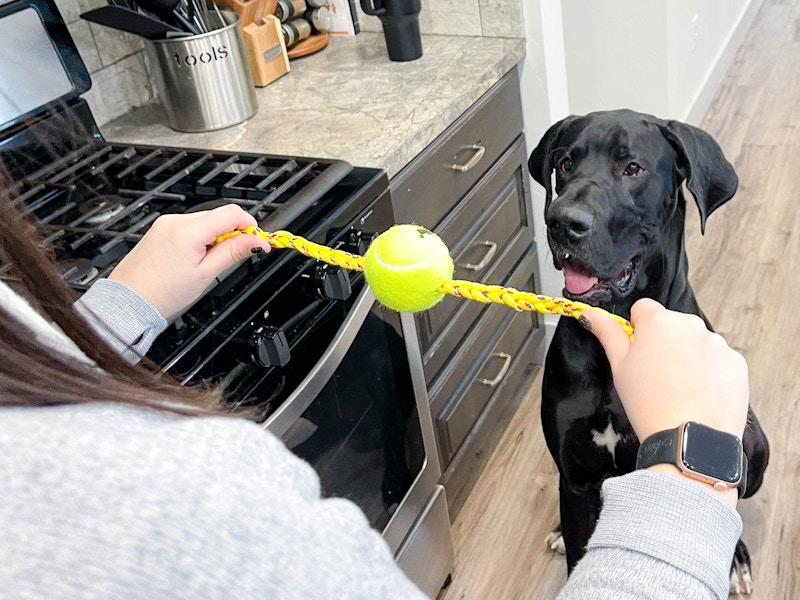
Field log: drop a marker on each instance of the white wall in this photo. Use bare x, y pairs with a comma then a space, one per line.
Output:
543, 82
704, 36
664, 57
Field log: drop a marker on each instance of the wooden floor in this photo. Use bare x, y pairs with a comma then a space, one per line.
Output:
746, 274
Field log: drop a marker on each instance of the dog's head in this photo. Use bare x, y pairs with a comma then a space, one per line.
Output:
618, 184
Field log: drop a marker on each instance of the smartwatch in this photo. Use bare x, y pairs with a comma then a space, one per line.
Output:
700, 452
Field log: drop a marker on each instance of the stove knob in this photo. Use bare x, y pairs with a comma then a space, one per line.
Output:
331, 282
358, 242
269, 347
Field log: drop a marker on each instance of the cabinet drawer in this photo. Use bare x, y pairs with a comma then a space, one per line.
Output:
420, 192
489, 351
462, 313
479, 231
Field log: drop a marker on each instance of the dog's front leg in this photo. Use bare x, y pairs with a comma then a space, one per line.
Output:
580, 508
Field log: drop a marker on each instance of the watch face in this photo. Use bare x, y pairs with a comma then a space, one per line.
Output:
712, 453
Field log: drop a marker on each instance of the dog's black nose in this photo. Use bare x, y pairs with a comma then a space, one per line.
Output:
569, 221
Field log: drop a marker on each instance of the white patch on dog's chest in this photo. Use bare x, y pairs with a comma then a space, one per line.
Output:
607, 439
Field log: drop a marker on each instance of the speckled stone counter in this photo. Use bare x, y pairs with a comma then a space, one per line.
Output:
351, 102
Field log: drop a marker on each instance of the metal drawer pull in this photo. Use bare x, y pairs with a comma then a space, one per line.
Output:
503, 370
474, 159
492, 248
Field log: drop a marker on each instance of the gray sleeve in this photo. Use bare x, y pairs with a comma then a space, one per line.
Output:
121, 317
142, 505
660, 537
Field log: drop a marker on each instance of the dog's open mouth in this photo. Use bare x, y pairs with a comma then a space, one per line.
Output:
583, 285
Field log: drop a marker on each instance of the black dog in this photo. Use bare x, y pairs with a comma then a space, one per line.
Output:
616, 230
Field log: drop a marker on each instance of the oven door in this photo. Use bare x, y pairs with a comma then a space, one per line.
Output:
361, 418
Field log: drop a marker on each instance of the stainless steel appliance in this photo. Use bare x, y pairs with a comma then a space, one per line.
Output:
339, 377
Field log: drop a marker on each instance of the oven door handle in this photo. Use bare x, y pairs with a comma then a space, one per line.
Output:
307, 390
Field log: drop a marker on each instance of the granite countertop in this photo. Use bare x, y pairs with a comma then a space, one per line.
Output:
350, 102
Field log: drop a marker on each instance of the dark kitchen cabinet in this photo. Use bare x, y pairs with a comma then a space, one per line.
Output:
470, 186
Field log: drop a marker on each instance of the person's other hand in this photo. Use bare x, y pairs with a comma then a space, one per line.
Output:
674, 370
174, 262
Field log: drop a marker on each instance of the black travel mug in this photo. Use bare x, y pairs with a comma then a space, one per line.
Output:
400, 20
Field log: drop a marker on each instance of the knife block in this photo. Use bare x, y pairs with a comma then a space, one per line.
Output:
266, 50
248, 10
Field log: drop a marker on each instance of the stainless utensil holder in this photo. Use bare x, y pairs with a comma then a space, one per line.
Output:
204, 81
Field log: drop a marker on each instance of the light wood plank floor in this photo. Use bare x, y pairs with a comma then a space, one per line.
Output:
746, 273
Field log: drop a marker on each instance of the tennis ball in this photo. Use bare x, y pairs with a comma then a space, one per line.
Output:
405, 266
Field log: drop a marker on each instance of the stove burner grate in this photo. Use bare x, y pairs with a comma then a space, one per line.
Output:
97, 199
78, 271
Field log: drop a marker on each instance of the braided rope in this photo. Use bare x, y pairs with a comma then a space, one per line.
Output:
470, 290
284, 239
520, 301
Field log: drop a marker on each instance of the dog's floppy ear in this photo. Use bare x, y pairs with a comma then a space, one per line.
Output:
700, 161
541, 162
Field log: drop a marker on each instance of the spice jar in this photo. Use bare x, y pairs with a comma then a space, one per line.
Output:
321, 19
286, 10
295, 30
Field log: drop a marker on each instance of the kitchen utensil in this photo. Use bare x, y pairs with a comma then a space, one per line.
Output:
266, 50
400, 20
203, 81
167, 11
219, 16
196, 14
162, 8
129, 21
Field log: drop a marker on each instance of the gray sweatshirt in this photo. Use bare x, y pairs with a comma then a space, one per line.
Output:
110, 501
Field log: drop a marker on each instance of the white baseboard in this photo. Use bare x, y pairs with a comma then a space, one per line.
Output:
706, 94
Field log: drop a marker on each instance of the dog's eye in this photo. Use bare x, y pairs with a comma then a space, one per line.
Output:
633, 169
566, 165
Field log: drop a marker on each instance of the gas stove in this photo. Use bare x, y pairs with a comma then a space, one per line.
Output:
95, 199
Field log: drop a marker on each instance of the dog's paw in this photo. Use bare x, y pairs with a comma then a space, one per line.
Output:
741, 578
741, 581
555, 541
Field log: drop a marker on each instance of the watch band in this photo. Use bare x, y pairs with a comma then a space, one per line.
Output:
660, 447
664, 447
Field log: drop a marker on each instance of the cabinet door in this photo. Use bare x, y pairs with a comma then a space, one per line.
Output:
428, 188
484, 367
487, 233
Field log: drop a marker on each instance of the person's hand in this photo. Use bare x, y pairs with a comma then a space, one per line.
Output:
174, 262
674, 370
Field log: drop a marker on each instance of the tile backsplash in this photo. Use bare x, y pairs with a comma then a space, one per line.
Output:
115, 61
487, 18
119, 73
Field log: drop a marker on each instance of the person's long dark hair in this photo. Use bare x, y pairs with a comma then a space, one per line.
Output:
33, 374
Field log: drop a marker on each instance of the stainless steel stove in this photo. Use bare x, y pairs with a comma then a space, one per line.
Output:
338, 377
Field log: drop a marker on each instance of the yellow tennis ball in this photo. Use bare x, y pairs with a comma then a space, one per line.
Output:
405, 266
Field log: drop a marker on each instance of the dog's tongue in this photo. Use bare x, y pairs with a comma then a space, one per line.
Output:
577, 279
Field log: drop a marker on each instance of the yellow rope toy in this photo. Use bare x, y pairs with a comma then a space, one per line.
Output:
462, 289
